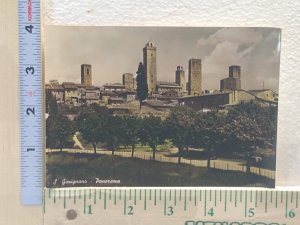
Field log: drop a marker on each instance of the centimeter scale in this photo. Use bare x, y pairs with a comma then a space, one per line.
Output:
31, 101
96, 206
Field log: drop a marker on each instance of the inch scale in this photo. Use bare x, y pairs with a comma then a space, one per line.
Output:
31, 101
96, 206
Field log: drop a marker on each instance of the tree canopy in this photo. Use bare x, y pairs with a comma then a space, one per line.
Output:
142, 86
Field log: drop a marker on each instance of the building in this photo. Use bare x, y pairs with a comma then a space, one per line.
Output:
71, 93
57, 91
89, 95
115, 87
195, 77
128, 81
216, 100
265, 94
180, 79
86, 74
149, 60
163, 87
233, 82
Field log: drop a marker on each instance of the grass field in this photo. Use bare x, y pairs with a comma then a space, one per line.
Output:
138, 172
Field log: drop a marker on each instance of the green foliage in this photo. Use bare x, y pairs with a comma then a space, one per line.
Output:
152, 132
59, 131
142, 87
113, 132
51, 104
179, 127
131, 126
250, 125
92, 127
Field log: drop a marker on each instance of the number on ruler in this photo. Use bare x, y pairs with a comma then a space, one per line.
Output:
30, 110
130, 210
211, 212
30, 149
292, 214
29, 28
170, 211
251, 212
30, 69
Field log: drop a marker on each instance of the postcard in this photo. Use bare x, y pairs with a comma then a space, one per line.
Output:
161, 106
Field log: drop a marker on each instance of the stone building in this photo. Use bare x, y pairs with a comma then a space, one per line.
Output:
128, 81
233, 82
216, 100
265, 94
115, 87
71, 93
180, 79
86, 74
195, 77
149, 60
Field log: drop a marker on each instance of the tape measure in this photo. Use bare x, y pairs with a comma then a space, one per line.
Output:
31, 101
96, 206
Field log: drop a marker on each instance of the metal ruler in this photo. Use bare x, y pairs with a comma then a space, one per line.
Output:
96, 206
31, 101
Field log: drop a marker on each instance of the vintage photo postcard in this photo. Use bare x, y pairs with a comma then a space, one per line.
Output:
161, 106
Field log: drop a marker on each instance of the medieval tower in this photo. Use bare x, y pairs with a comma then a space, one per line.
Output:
86, 74
235, 72
180, 78
195, 77
149, 58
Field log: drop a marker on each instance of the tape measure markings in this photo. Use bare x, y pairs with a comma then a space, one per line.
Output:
214, 203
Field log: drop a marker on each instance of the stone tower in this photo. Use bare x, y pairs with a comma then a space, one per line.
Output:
195, 77
235, 72
149, 58
86, 74
180, 78
233, 82
128, 81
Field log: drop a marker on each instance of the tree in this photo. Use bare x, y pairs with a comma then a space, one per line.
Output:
51, 104
206, 133
59, 130
248, 126
131, 127
151, 133
179, 127
91, 126
113, 132
142, 86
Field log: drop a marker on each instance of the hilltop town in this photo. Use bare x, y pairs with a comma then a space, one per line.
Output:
121, 98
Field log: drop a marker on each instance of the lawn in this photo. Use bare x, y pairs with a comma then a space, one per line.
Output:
139, 172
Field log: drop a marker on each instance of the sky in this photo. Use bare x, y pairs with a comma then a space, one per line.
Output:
113, 51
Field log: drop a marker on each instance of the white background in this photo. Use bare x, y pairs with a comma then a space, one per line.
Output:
271, 13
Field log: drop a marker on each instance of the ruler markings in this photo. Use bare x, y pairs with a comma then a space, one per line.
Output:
115, 197
105, 199
246, 203
266, 201
184, 200
286, 204
297, 199
204, 202
145, 199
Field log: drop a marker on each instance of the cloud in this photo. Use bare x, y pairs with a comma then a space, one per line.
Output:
234, 35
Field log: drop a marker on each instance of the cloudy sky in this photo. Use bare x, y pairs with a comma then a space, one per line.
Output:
113, 51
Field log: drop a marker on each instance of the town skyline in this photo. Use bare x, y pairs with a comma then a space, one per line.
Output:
245, 47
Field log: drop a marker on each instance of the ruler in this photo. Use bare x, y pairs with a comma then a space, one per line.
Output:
96, 206
31, 101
